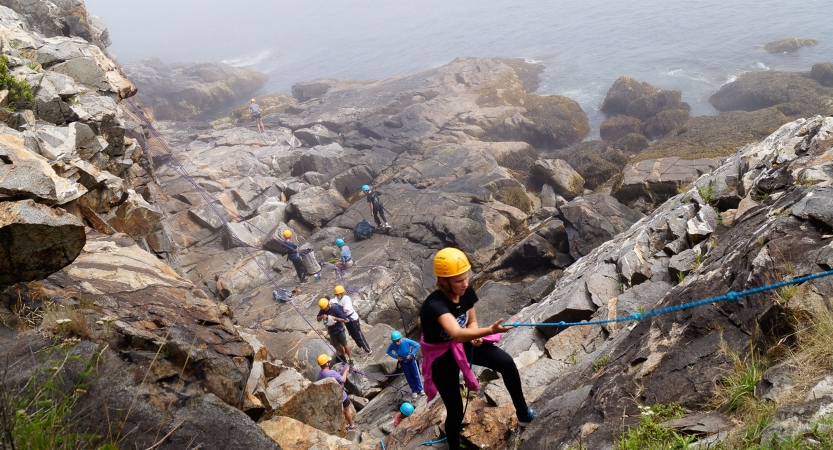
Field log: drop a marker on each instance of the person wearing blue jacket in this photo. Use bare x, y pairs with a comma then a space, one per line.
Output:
404, 350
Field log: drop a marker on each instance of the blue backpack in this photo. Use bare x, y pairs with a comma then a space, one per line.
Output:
363, 230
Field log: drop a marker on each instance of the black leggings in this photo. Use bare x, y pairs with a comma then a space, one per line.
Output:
355, 330
446, 376
380, 211
300, 269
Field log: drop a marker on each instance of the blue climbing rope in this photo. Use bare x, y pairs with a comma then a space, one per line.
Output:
636, 317
435, 441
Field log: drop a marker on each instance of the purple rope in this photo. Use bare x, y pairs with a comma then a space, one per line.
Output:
210, 200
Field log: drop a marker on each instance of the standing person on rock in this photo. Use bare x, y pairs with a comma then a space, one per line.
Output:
377, 209
294, 256
257, 116
353, 324
451, 336
404, 350
335, 327
326, 372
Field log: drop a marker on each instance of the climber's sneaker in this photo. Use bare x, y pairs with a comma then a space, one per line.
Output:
525, 419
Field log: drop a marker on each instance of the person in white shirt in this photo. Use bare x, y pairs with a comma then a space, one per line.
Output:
353, 325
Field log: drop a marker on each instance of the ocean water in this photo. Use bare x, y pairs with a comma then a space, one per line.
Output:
695, 46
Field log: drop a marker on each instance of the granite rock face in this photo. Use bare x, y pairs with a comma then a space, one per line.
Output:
633, 272
153, 330
651, 182
36, 241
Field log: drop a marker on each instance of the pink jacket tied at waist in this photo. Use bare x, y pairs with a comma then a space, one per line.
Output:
430, 352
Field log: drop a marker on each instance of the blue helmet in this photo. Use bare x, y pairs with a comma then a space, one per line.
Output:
365, 188
407, 409
395, 335
339, 242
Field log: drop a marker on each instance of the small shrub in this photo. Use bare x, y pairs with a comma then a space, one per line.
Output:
18, 89
706, 193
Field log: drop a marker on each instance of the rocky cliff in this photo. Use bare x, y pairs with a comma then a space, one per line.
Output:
142, 251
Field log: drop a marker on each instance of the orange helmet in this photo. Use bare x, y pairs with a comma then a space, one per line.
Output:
450, 262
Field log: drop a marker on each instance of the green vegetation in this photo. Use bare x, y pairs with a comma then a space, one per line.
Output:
39, 414
599, 365
698, 261
680, 277
737, 391
649, 435
18, 89
785, 293
706, 193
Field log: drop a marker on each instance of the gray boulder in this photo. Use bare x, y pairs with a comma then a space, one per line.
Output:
36, 241
564, 180
653, 181
596, 218
316, 206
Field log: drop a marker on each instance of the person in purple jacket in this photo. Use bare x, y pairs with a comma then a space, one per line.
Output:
327, 372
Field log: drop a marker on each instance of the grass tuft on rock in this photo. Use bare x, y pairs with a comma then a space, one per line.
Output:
650, 435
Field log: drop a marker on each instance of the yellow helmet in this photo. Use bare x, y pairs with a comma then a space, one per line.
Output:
338, 289
450, 262
287, 234
323, 303
323, 359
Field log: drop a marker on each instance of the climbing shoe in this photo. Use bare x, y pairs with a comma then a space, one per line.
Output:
525, 419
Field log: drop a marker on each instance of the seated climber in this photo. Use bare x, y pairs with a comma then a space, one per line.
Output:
335, 327
326, 372
345, 258
404, 350
404, 411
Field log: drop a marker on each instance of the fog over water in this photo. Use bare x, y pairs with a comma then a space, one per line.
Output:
695, 46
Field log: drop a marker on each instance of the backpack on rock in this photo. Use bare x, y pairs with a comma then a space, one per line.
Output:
363, 230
